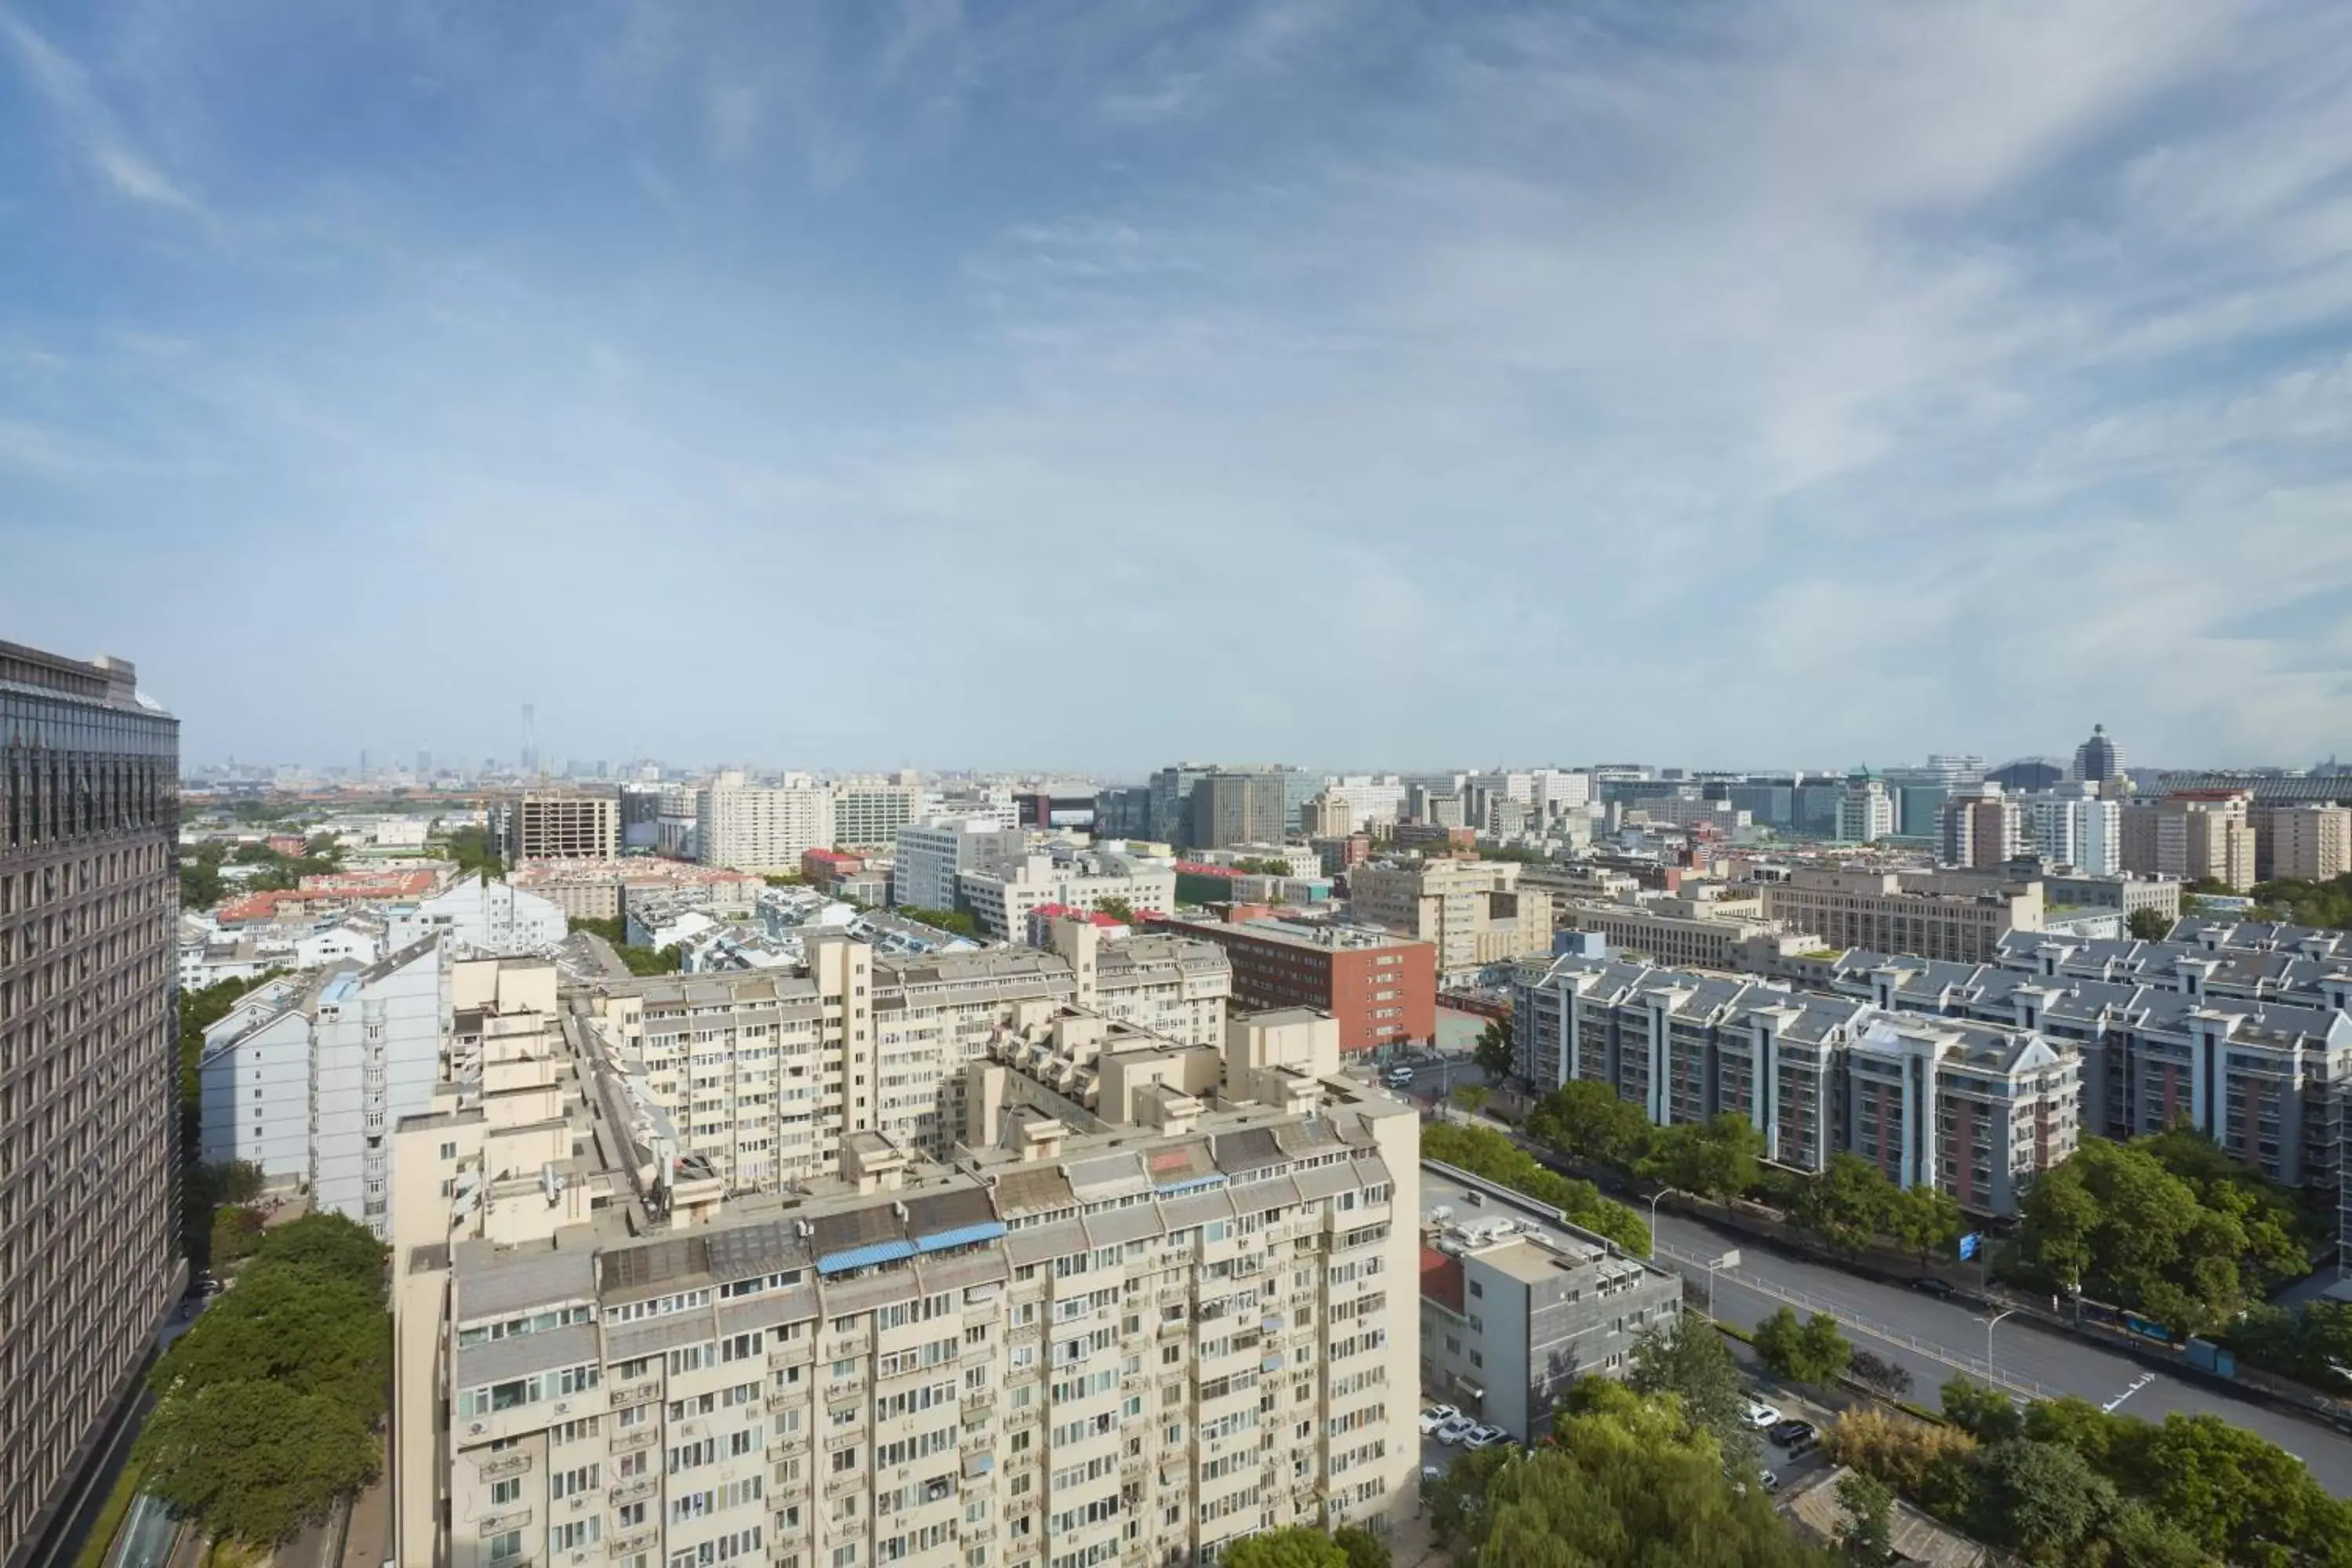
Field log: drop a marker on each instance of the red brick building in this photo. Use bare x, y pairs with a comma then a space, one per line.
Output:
1381, 988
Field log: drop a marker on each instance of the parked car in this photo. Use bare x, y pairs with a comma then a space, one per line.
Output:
1787, 1432
1428, 1473
1759, 1415
1772, 1482
1437, 1416
1486, 1437
1400, 1078
1940, 1289
1453, 1431
1804, 1443
1472, 1197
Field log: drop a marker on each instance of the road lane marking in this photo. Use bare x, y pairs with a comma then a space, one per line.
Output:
2142, 1381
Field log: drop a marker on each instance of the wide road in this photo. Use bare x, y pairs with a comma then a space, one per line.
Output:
1934, 1340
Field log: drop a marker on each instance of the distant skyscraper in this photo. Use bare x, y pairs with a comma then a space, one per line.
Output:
424, 764
363, 762
529, 755
2098, 759
90, 827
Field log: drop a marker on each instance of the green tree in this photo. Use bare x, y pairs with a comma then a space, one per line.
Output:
1687, 1358
1292, 1546
1849, 1204
1494, 1053
2149, 925
1868, 1538
1484, 1151
1625, 1484
254, 1459
1472, 1096
1982, 1413
1812, 1351
236, 1232
1927, 1220
2039, 1499
1116, 908
1717, 1158
1587, 1119
1458, 1499
1364, 1549
957, 923
295, 1326
1888, 1377
336, 1246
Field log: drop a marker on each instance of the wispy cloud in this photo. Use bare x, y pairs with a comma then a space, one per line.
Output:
1785, 383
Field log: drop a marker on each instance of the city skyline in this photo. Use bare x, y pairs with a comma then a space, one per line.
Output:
803, 381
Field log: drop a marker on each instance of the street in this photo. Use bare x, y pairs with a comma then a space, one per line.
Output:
2031, 1360
1934, 1340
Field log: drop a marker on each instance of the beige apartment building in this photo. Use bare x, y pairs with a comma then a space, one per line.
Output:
766, 1071
1075, 1342
2191, 835
1958, 919
2304, 843
1475, 912
1689, 932
560, 824
761, 828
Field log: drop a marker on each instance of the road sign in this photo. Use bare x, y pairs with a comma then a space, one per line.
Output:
1968, 1245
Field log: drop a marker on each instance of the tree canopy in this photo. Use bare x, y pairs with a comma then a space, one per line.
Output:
1719, 1158
1292, 1546
1685, 1358
1811, 1351
1625, 1483
2167, 1225
1587, 1119
1497, 1053
2149, 925
266, 1409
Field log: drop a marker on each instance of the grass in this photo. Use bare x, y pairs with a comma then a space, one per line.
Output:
109, 1519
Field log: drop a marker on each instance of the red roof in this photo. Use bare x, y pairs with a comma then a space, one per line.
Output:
1440, 1280
1065, 912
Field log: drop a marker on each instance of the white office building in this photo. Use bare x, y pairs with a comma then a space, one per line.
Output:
306, 1080
869, 812
2078, 830
480, 918
932, 855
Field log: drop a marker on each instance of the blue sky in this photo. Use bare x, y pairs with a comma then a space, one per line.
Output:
1358, 384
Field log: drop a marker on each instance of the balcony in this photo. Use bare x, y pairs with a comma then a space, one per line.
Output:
499, 1523
979, 1400
782, 1400
635, 1541
845, 1485
629, 1393
635, 1490
632, 1442
791, 1444
503, 1466
835, 1442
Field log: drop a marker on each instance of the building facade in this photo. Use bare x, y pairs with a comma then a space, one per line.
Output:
89, 1134
1981, 828
1687, 932
1890, 911
2098, 760
1513, 1313
2081, 831
1865, 812
2194, 835
932, 855
1382, 989
560, 824
1474, 912
2304, 843
1001, 900
1081, 1344
762, 827
869, 812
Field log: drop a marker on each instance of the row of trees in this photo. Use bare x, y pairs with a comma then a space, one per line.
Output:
1304, 1546
2167, 1225
2327, 903
1482, 1152
203, 884
640, 960
1849, 1206
2064, 1482
959, 921
266, 1411
475, 853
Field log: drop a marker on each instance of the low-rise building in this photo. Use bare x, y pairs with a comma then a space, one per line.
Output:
558, 822
1890, 911
1686, 931
1516, 1303
1381, 988
478, 918
1000, 900
1474, 912
931, 856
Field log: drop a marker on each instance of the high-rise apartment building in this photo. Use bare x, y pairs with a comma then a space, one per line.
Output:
2196, 834
761, 828
1082, 1339
1381, 989
308, 1078
2083, 831
869, 812
1475, 912
1865, 812
1982, 829
1235, 805
2304, 843
2098, 760
89, 1144
559, 824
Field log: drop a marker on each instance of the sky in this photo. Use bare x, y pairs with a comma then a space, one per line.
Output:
1343, 382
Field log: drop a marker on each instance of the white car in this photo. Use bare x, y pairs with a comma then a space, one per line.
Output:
1453, 1431
1486, 1437
1437, 1416
1759, 1415
1399, 1077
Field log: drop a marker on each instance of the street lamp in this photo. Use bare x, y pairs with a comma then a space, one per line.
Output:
1729, 1260
1662, 1192
1989, 1323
